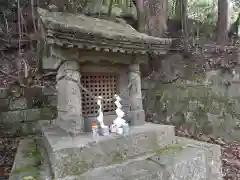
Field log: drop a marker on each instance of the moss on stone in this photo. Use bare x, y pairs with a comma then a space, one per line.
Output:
28, 168
116, 157
194, 106
82, 167
34, 171
33, 155
28, 178
171, 148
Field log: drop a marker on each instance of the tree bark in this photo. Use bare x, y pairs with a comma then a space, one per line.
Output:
110, 8
177, 10
222, 23
156, 17
140, 15
152, 20
184, 21
152, 16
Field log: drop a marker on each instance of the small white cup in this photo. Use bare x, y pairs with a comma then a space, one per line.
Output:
120, 130
113, 128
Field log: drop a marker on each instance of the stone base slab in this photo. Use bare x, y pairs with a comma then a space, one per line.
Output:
212, 156
27, 163
76, 155
184, 164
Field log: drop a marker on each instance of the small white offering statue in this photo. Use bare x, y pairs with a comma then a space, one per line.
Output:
103, 129
119, 122
100, 112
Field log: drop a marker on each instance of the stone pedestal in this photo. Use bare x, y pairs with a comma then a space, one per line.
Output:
150, 151
69, 105
137, 114
76, 155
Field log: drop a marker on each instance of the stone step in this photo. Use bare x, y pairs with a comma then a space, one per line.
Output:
30, 161
181, 163
212, 156
186, 160
76, 155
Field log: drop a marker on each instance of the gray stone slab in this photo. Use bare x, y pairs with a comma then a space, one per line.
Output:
25, 162
186, 164
27, 115
45, 170
31, 114
212, 155
48, 113
23, 129
12, 117
75, 155
52, 100
3, 92
49, 91
17, 104
4, 104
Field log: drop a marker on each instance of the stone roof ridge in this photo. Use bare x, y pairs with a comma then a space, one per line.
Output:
79, 28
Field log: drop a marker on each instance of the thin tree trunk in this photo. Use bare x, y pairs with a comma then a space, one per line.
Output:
140, 15
184, 20
110, 8
177, 10
222, 23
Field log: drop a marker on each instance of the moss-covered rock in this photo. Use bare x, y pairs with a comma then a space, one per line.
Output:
204, 106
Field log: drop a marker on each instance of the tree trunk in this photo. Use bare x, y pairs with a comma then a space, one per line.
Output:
152, 19
140, 15
222, 23
110, 8
184, 21
152, 16
177, 10
155, 17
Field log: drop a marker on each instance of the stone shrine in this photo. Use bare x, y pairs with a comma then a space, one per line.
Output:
94, 57
103, 57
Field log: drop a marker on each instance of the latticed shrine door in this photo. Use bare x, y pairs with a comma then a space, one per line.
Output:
99, 84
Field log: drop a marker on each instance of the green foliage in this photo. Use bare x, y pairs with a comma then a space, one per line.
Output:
204, 12
33, 153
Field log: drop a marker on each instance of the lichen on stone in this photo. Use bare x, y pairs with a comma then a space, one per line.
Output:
172, 148
116, 157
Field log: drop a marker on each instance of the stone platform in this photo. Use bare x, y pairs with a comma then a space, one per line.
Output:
76, 155
174, 163
149, 152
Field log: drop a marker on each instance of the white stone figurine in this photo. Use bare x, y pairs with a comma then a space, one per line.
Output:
100, 112
103, 129
119, 121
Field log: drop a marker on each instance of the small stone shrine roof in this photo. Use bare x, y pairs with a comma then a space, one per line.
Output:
70, 30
